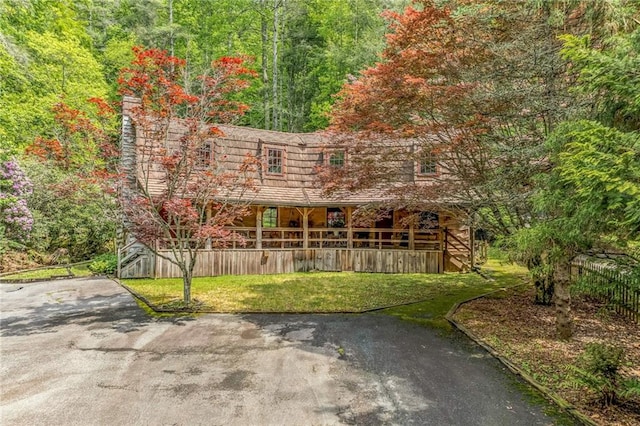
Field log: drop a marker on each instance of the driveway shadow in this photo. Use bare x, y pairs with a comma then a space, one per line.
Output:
117, 312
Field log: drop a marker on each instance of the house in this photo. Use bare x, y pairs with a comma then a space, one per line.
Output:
293, 227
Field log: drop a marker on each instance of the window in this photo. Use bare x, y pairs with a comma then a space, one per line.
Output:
428, 164
275, 161
429, 220
337, 159
204, 155
270, 217
335, 217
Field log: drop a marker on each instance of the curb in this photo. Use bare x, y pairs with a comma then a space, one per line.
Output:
40, 268
564, 405
34, 280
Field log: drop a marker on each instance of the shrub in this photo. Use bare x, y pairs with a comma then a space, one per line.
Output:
104, 264
599, 370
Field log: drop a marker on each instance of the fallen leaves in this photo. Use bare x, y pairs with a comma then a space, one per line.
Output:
525, 333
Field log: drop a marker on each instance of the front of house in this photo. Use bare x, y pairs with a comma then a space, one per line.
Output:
292, 227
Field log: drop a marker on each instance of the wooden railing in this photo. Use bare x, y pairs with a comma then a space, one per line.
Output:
458, 251
373, 238
134, 260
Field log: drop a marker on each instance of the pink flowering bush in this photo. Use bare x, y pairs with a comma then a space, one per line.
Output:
16, 220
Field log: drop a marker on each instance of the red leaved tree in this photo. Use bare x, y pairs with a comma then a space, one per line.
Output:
475, 87
454, 87
79, 143
177, 196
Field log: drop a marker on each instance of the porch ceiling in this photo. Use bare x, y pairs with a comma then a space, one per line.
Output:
309, 197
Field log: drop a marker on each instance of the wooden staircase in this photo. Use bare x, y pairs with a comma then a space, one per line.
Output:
135, 260
457, 253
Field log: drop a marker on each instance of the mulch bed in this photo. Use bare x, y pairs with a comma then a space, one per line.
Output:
524, 333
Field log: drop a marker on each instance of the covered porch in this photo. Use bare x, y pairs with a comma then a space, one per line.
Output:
283, 239
272, 227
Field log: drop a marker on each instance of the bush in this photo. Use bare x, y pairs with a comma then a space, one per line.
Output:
599, 370
70, 214
104, 264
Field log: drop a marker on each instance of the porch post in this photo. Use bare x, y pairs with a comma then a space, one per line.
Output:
279, 225
412, 236
259, 227
349, 227
305, 228
395, 226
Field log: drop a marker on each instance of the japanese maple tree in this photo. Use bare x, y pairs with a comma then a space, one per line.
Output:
476, 85
74, 170
176, 199
78, 143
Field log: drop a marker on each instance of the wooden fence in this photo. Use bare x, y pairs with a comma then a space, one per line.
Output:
610, 282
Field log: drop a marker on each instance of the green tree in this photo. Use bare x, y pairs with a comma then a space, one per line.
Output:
46, 54
590, 199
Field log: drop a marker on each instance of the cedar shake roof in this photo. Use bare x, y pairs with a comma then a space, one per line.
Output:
302, 152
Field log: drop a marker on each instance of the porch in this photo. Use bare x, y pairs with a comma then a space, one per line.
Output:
322, 238
290, 249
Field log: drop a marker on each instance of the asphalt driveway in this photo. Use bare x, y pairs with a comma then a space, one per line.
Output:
81, 352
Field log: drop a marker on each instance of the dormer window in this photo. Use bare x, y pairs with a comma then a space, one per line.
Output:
428, 164
204, 155
275, 161
336, 159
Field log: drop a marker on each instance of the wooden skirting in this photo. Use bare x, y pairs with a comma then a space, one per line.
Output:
244, 262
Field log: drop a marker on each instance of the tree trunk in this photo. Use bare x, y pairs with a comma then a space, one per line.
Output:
187, 277
264, 32
274, 65
562, 298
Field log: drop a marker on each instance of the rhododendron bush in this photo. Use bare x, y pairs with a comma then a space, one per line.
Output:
16, 220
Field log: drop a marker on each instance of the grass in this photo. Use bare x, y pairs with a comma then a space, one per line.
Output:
45, 273
316, 292
456, 288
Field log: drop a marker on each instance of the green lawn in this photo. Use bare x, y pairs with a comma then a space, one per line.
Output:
77, 270
455, 288
331, 292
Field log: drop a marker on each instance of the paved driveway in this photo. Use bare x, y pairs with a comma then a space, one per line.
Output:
82, 352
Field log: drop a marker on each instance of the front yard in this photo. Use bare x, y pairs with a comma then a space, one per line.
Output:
316, 292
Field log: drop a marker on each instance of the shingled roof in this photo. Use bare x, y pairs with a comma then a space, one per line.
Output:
297, 186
